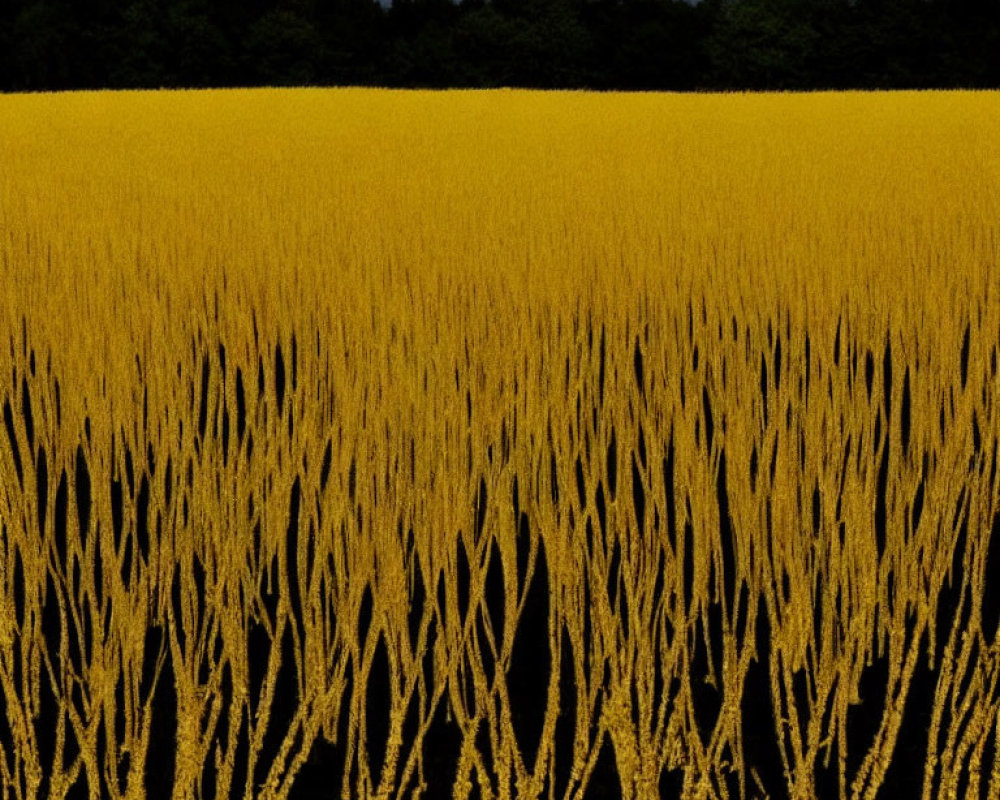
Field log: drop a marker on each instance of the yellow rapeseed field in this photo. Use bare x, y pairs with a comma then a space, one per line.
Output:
499, 445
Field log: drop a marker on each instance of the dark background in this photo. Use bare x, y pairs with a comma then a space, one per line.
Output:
600, 44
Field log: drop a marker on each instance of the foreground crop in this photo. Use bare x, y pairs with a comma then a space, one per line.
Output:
363, 444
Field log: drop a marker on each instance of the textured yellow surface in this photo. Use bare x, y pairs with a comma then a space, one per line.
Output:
627, 306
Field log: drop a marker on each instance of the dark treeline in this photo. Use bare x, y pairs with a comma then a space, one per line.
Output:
601, 44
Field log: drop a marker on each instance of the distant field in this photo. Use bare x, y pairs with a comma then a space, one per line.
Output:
499, 445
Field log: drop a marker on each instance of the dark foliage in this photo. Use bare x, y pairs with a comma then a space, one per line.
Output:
600, 44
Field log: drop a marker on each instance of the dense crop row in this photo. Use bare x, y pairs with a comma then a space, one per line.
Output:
499, 445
